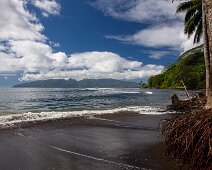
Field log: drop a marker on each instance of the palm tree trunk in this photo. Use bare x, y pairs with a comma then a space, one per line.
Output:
206, 50
207, 28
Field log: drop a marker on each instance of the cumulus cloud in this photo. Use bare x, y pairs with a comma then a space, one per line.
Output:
87, 74
158, 54
26, 50
137, 10
48, 7
102, 62
97, 65
143, 72
157, 36
9, 64
53, 44
17, 23
23, 47
160, 15
169, 36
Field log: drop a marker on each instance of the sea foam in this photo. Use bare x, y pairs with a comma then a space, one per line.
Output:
9, 121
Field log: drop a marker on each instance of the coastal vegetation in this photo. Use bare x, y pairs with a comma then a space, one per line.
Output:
198, 22
188, 137
189, 68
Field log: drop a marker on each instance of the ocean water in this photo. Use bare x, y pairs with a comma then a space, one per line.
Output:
29, 104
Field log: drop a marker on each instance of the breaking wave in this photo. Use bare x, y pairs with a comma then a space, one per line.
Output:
17, 120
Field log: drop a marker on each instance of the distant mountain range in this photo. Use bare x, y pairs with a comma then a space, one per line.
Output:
71, 83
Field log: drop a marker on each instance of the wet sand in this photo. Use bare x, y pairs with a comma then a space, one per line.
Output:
105, 142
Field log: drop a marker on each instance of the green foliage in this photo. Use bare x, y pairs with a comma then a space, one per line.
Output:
193, 18
189, 67
142, 85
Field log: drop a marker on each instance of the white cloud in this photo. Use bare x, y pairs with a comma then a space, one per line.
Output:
158, 54
138, 10
3, 48
160, 15
87, 74
48, 7
169, 36
186, 43
17, 23
9, 63
97, 65
53, 44
102, 62
24, 49
158, 36
23, 46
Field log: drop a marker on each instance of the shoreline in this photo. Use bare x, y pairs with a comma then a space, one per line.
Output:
19, 120
111, 141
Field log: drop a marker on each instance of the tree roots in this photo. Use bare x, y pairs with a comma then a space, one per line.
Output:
188, 137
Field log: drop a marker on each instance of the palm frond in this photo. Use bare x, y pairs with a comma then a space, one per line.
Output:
193, 18
198, 33
192, 11
184, 6
192, 24
189, 28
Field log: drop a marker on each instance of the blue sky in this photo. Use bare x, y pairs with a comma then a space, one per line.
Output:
79, 39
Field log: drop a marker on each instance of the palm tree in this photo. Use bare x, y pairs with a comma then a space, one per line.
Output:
207, 30
193, 18
198, 20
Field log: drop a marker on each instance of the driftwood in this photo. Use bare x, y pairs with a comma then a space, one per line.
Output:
185, 105
186, 91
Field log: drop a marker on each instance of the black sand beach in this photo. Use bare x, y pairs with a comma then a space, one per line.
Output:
106, 142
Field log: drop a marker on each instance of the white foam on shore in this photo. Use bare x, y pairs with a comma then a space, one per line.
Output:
115, 90
14, 119
149, 92
129, 92
125, 166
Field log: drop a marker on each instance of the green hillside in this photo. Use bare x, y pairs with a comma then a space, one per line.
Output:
189, 67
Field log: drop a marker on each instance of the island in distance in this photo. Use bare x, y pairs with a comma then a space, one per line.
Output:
71, 83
